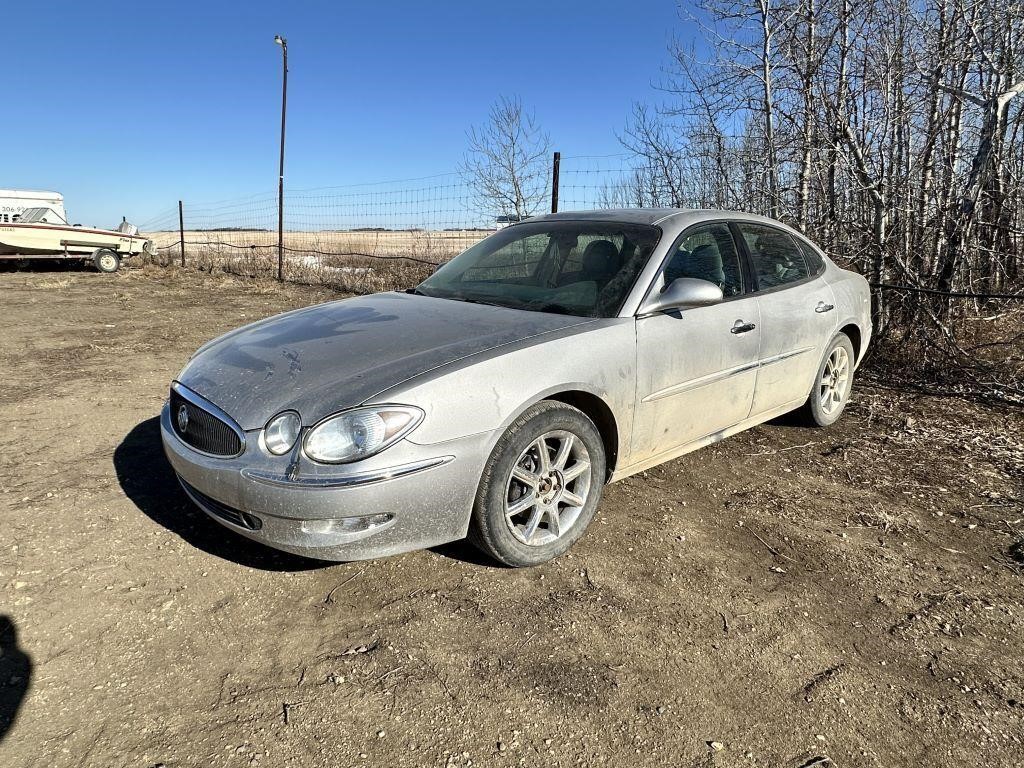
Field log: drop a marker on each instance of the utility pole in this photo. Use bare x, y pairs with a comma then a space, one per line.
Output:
280, 178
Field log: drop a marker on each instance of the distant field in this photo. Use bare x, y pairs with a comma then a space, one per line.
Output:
360, 262
429, 245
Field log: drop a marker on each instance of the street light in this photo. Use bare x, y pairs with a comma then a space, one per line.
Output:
280, 179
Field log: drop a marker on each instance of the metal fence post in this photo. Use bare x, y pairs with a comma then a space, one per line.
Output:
181, 231
554, 181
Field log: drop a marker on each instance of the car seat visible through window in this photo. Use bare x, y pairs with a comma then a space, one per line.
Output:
708, 253
600, 262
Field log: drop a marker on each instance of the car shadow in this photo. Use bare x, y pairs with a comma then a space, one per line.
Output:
465, 552
15, 675
147, 479
789, 419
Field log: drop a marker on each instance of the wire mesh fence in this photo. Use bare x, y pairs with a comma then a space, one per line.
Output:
380, 235
422, 220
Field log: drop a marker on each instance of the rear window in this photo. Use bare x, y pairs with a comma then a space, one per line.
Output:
815, 264
774, 255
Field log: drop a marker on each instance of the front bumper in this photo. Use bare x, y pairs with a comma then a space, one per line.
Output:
408, 497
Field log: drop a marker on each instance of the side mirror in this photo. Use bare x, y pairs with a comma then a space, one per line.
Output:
683, 293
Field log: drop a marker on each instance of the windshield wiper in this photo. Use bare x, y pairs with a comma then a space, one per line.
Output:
485, 302
466, 299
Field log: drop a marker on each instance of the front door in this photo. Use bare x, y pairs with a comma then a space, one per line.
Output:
696, 368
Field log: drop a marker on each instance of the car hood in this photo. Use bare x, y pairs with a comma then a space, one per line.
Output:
323, 359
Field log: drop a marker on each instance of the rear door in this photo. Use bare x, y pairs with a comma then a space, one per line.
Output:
696, 368
797, 310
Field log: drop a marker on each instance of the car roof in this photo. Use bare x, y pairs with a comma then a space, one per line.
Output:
675, 218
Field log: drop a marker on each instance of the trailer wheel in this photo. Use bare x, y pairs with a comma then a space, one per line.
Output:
106, 260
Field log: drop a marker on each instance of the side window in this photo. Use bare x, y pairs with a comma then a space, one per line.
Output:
815, 264
708, 253
518, 259
774, 256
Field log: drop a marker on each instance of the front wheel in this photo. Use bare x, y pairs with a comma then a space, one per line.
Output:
832, 385
540, 486
106, 260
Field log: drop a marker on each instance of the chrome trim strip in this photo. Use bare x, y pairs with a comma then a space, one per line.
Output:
345, 481
713, 378
703, 381
785, 356
201, 402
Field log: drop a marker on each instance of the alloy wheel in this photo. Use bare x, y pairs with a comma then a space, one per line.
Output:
548, 488
835, 381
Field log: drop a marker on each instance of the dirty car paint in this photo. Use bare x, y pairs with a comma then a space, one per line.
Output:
323, 359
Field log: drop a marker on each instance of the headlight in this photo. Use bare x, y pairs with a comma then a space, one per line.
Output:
281, 432
359, 433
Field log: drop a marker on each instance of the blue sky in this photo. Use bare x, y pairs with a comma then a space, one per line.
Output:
127, 107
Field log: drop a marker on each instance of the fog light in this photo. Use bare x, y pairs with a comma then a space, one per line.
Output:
346, 525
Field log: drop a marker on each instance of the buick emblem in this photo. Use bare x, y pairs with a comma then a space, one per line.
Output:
182, 418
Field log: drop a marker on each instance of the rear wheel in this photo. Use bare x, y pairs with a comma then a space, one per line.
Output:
832, 385
106, 260
540, 486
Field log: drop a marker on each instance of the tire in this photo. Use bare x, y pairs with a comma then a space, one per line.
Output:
834, 379
106, 260
545, 529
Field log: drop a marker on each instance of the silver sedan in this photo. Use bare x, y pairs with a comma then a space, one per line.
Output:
497, 398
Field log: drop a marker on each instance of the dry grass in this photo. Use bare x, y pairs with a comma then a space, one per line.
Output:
897, 521
430, 245
357, 262
970, 348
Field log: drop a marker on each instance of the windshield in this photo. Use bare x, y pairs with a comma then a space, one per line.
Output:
568, 267
40, 216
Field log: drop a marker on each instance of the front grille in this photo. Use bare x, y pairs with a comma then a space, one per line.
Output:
203, 431
223, 511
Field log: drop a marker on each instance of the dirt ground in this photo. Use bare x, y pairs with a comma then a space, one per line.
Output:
785, 596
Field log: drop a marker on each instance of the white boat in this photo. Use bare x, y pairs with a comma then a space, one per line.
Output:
13, 203
44, 233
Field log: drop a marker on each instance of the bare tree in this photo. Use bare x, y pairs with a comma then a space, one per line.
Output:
892, 131
1001, 82
507, 161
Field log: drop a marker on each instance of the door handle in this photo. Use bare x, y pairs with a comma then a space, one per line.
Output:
823, 307
740, 327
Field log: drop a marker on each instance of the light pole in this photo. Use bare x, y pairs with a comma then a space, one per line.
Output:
280, 179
